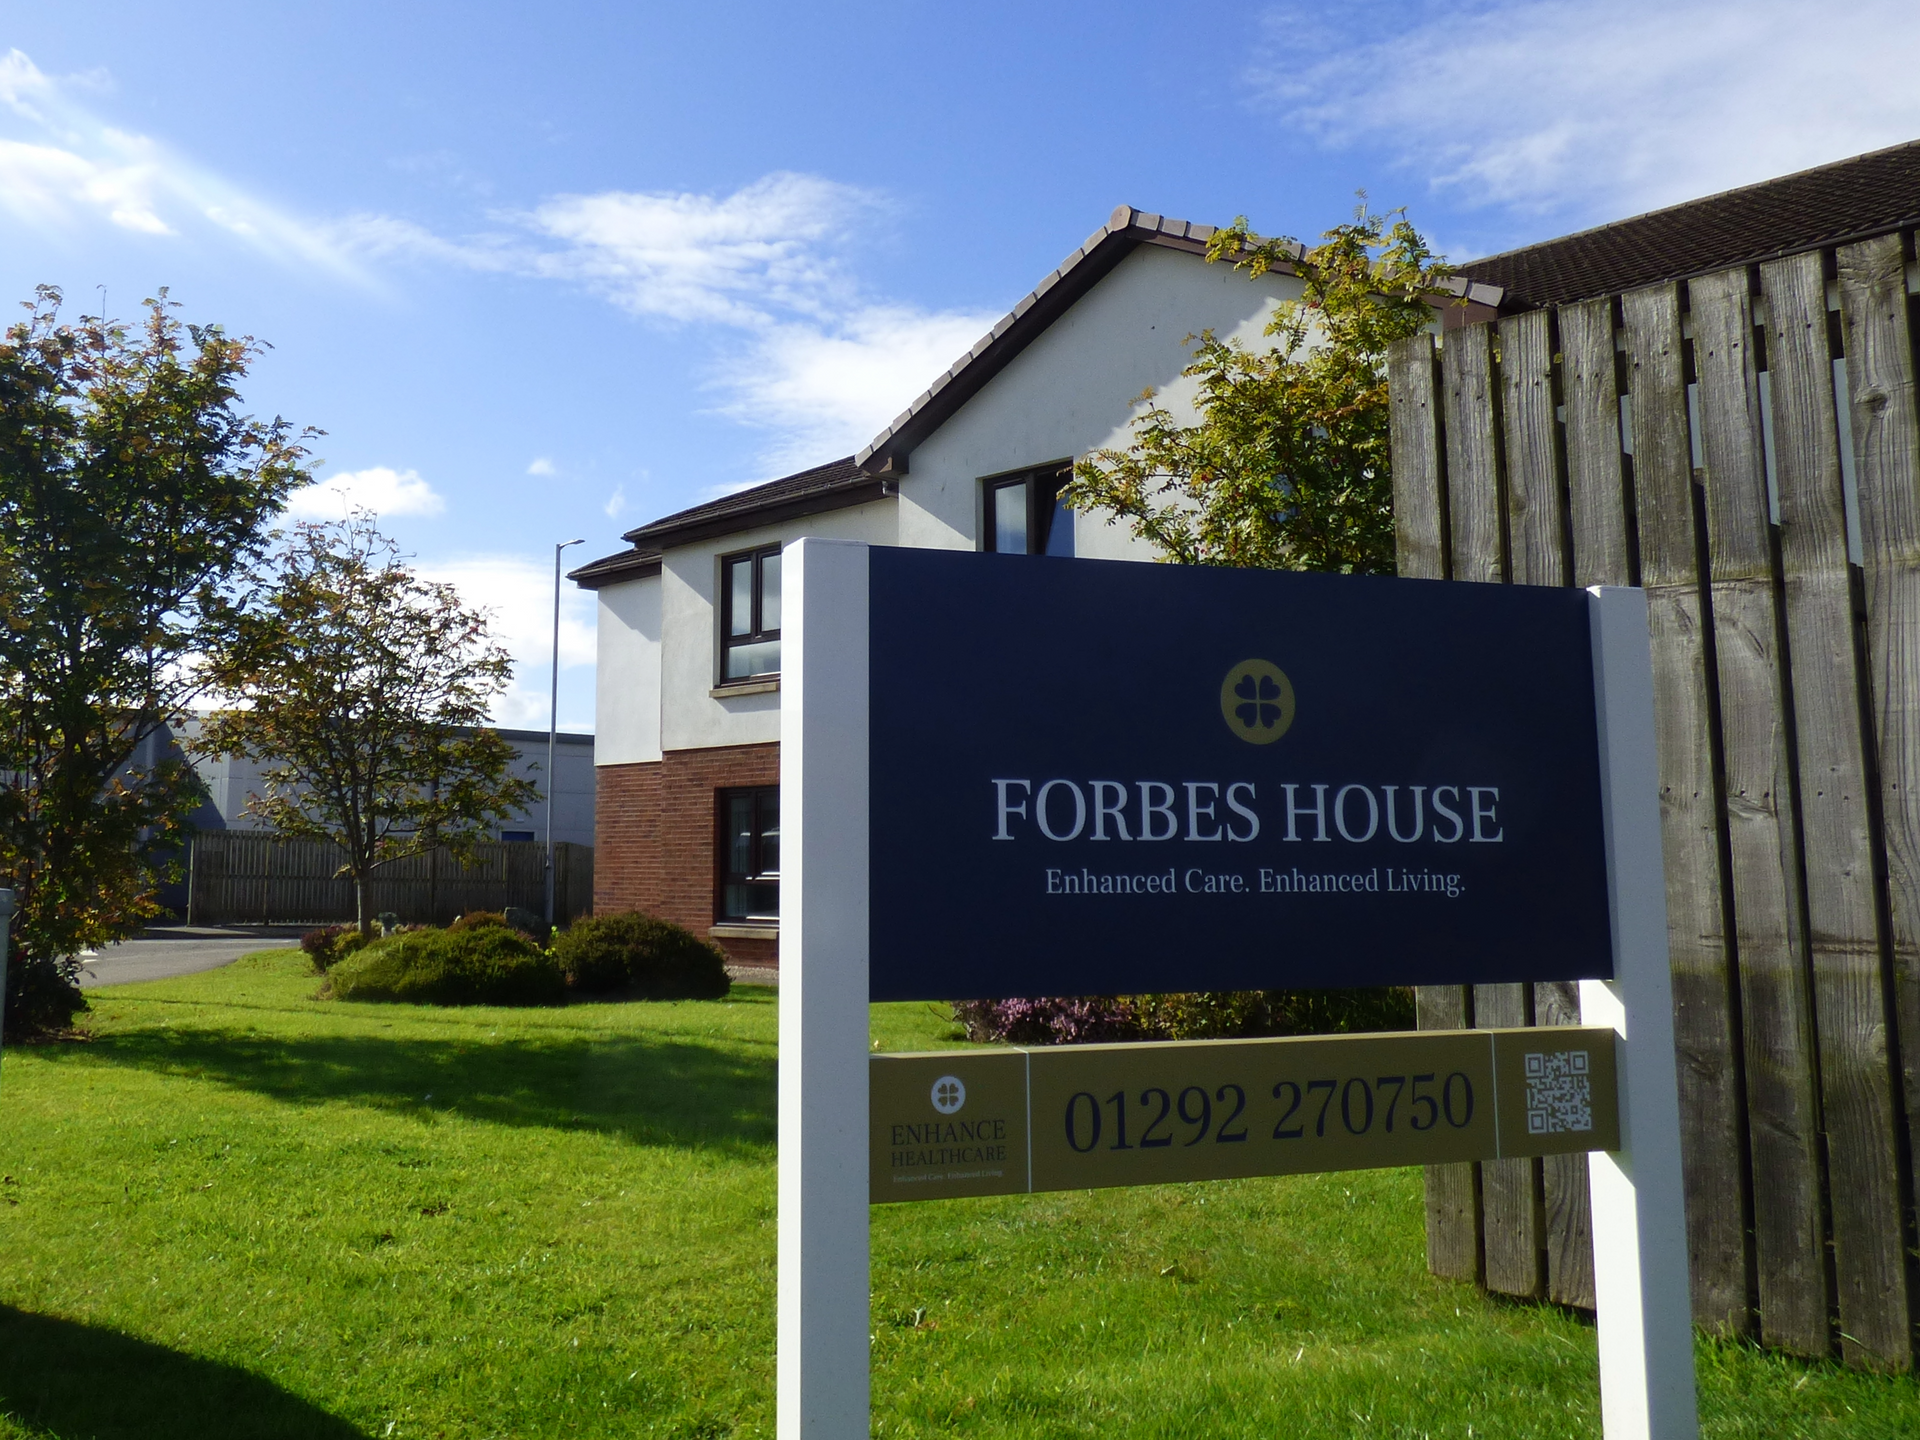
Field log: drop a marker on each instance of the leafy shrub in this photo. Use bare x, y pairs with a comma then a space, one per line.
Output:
329, 945
652, 959
317, 945
1056, 1020
511, 918
478, 965
1237, 1014
1216, 1015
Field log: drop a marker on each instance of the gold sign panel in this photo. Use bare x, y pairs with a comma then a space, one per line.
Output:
1006, 1121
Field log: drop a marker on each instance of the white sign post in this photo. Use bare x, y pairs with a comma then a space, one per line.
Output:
822, 1364
1644, 1305
1639, 1221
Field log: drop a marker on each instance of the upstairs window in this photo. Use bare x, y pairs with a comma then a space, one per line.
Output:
1024, 513
750, 615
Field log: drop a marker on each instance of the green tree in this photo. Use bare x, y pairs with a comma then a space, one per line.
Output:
1285, 462
132, 490
365, 689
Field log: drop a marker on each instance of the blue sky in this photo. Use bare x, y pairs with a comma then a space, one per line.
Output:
551, 271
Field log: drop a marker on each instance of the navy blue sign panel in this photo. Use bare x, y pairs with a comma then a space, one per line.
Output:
1096, 777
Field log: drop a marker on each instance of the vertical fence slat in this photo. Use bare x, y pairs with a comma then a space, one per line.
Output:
1453, 1191
1600, 521
1763, 842
1567, 1201
1859, 1108
1419, 500
1420, 538
1511, 1209
1473, 455
1596, 470
1710, 1100
1537, 511
1514, 1203
1536, 501
1886, 445
1510, 1222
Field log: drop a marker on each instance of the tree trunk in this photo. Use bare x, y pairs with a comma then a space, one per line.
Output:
360, 904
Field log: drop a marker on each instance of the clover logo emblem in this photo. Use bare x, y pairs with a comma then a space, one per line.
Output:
949, 1094
1257, 700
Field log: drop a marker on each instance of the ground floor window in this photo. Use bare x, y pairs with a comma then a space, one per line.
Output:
749, 887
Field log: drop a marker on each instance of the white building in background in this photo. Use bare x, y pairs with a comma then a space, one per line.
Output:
231, 782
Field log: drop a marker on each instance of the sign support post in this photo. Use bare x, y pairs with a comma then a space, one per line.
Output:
822, 1382
1643, 1301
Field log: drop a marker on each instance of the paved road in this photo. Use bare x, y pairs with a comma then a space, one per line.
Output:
183, 950
162, 954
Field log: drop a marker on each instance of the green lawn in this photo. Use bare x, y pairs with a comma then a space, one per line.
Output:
243, 1212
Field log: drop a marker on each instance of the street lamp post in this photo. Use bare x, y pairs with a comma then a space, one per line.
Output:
553, 720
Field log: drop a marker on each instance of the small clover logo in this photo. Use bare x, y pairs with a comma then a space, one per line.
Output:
1257, 700
949, 1094
1260, 701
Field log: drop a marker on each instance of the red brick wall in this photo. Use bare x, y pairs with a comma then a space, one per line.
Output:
626, 837
654, 834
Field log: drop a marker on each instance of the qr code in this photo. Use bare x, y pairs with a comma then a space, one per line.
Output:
1559, 1093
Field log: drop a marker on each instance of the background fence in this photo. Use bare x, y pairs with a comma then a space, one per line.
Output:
1746, 446
239, 877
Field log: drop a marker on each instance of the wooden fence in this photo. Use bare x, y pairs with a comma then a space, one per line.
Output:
1747, 447
240, 877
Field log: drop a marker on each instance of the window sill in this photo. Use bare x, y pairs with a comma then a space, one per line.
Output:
745, 687
745, 930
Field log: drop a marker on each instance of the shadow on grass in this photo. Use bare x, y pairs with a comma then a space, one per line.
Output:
649, 1092
83, 1382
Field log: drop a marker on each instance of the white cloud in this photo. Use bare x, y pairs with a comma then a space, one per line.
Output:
616, 502
819, 364
44, 182
517, 594
826, 390
814, 360
736, 259
1592, 112
384, 491
70, 166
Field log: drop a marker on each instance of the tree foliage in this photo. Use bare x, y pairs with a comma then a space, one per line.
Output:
132, 490
365, 689
1286, 463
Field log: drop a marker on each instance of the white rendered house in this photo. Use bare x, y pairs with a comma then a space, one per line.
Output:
687, 725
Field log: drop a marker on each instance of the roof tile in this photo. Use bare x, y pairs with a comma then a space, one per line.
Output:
1852, 199
821, 479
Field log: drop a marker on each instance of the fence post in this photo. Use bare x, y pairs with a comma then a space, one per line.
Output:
1643, 1303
